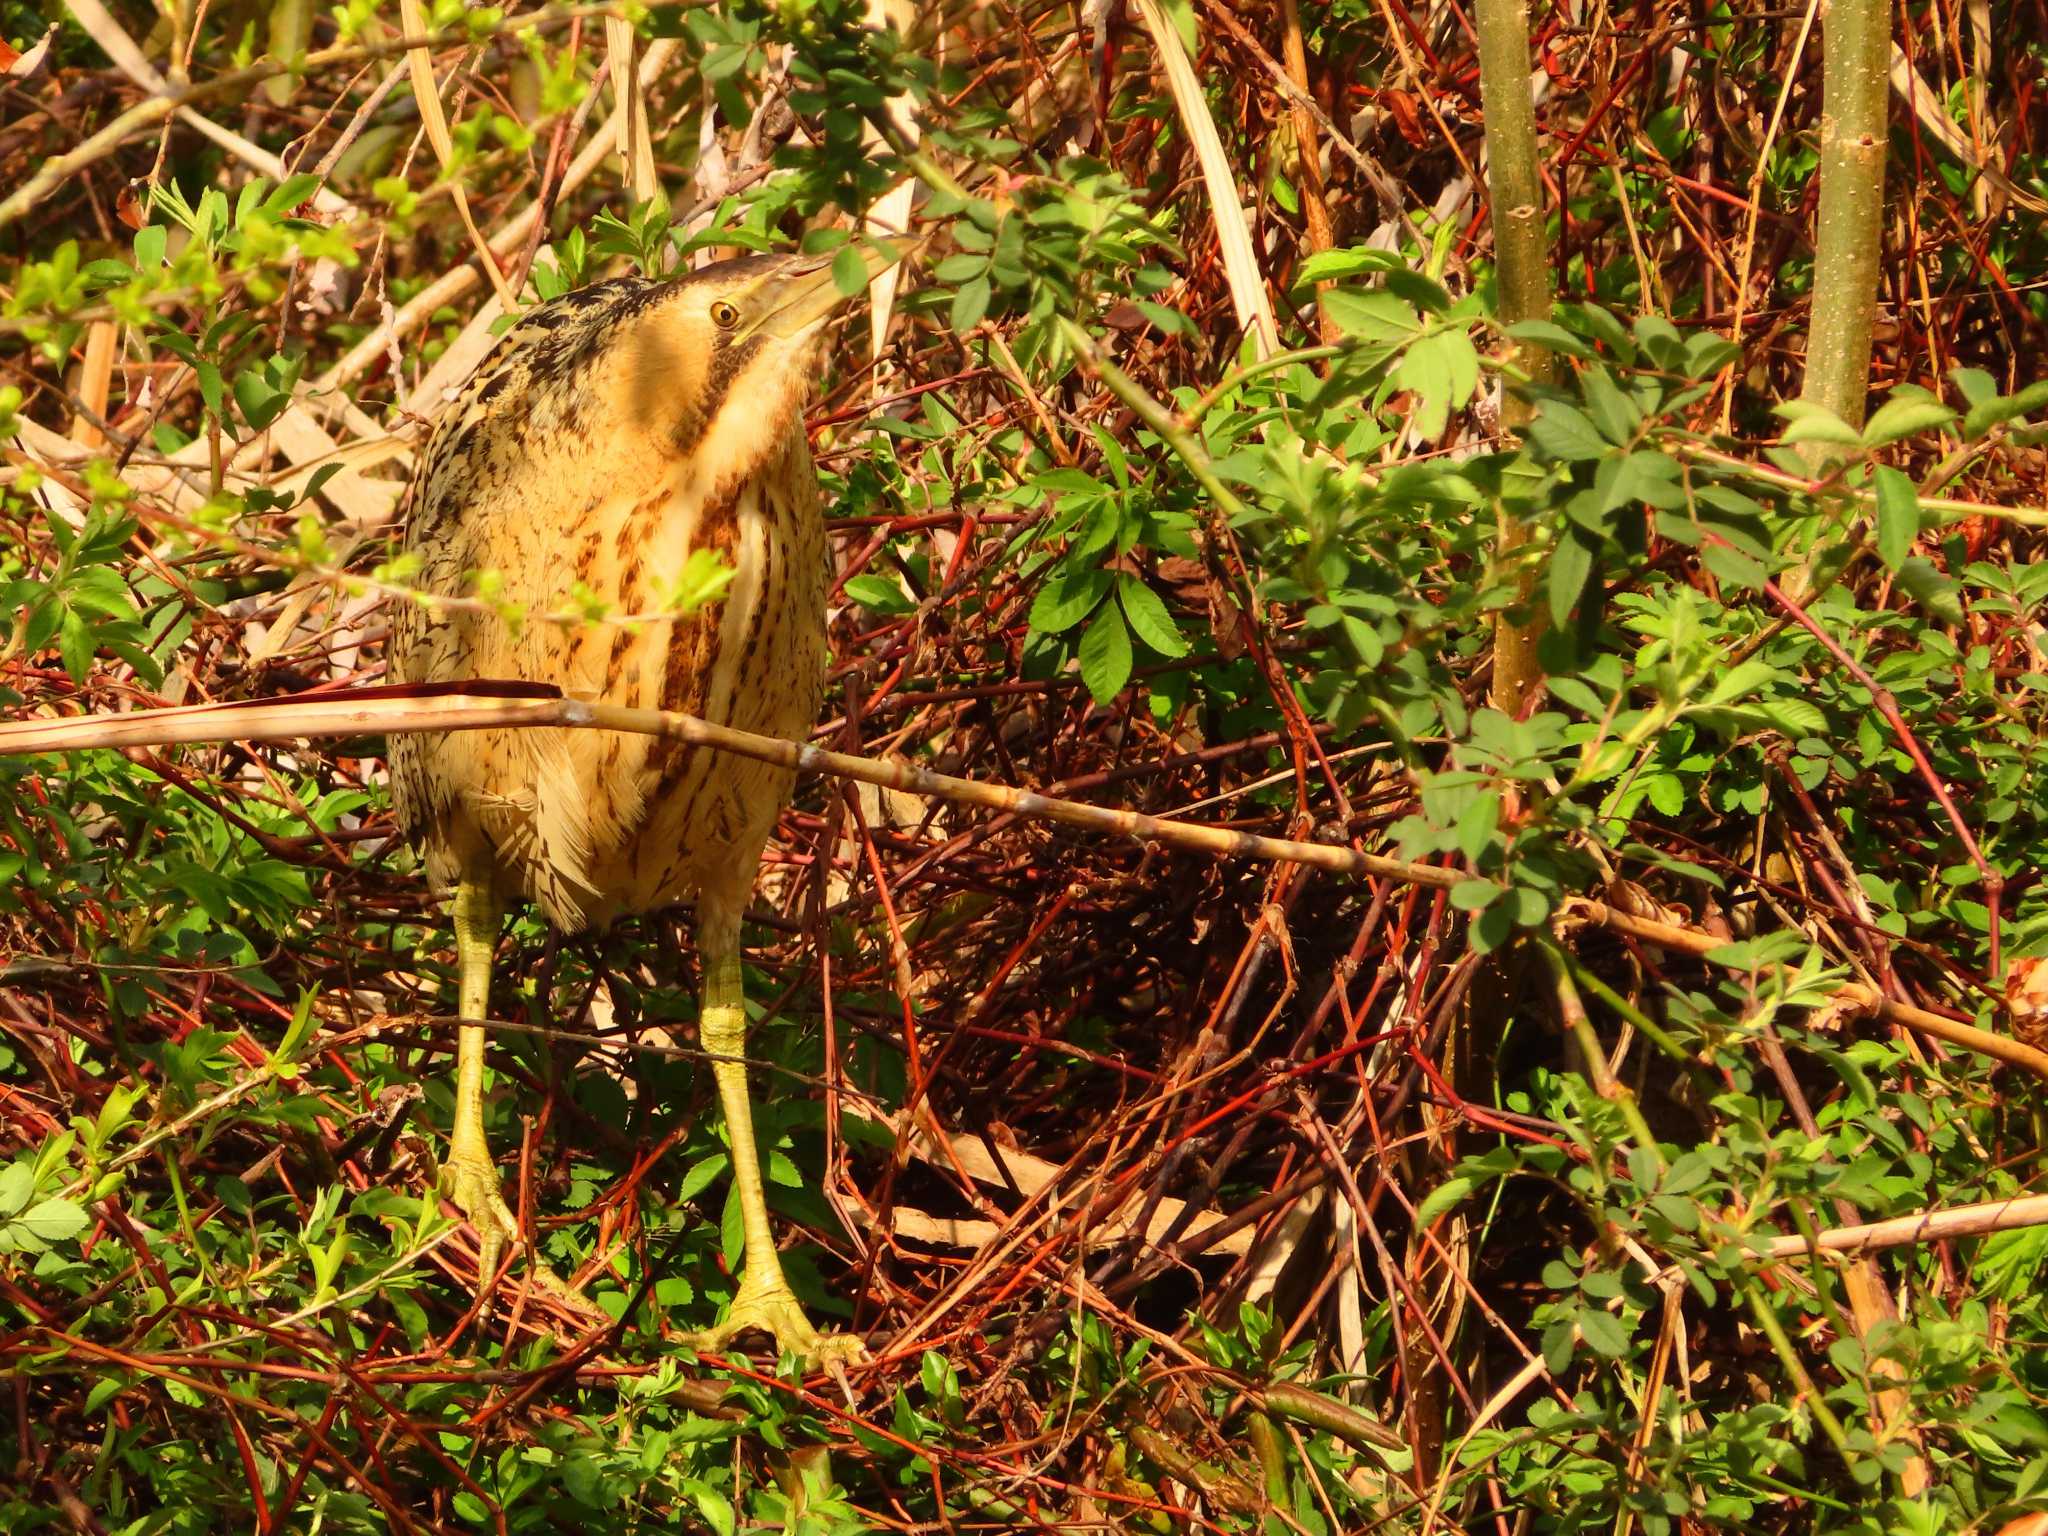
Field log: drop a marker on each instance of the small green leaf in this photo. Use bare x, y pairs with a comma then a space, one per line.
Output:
1898, 418
1106, 655
1148, 617
1734, 568
1611, 410
1571, 562
52, 1221
849, 271
211, 388
1450, 1193
17, 1183
104, 1391
970, 303
1325, 266
1931, 589
1552, 338
75, 645
261, 401
714, 1506
1812, 423
1898, 516
1564, 433
1474, 895
1370, 314
1066, 599
1426, 371
698, 1177
1605, 1334
879, 593
1988, 413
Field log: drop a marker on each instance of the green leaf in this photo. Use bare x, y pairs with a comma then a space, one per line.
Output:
1898, 418
1370, 314
1149, 620
1812, 423
261, 401
17, 1183
1986, 414
1462, 358
1425, 293
104, 1391
1733, 568
698, 1177
877, 592
1106, 655
1612, 411
52, 1221
1571, 562
211, 387
1066, 599
1474, 895
1425, 370
1898, 516
1644, 476
1552, 338
732, 1228
1794, 717
584, 1479
1450, 1193
850, 271
1605, 1334
1325, 266
1564, 433
75, 644
970, 303
714, 1506
1931, 589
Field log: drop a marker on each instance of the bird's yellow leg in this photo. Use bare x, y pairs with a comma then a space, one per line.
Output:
470, 1178
764, 1300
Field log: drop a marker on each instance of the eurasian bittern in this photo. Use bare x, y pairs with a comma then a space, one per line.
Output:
611, 433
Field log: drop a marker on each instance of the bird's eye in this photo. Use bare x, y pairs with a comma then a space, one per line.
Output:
724, 315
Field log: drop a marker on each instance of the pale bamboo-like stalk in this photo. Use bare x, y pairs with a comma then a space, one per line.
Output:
1855, 48
1521, 249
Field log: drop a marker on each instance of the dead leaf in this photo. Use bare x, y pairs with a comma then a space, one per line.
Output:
19, 66
2026, 994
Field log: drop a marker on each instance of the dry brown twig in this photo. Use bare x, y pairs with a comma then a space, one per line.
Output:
386, 710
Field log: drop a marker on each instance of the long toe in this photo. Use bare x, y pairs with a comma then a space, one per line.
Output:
471, 1185
776, 1312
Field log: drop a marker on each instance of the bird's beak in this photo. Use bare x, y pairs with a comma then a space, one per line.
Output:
808, 292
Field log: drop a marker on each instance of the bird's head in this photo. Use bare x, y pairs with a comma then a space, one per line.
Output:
722, 359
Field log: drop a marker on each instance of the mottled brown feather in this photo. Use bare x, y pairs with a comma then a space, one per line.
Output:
599, 443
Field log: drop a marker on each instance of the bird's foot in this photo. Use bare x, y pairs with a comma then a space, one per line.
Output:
772, 1308
470, 1181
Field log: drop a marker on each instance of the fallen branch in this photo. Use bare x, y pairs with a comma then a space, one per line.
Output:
511, 705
